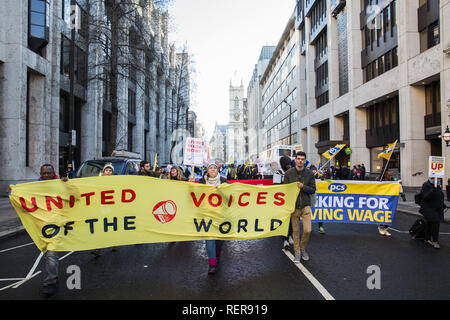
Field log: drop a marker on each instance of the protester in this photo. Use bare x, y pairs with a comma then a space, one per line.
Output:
232, 172
307, 184
382, 229
176, 174
145, 169
51, 262
213, 247
159, 172
108, 170
432, 208
363, 172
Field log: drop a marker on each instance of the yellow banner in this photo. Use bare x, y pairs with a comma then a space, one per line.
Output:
99, 212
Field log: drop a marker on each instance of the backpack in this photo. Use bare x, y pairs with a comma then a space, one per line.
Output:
418, 198
417, 230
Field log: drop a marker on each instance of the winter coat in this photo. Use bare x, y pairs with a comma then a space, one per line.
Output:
432, 205
306, 177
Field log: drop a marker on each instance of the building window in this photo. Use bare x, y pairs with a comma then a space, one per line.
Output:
80, 64
381, 65
324, 132
429, 37
131, 102
38, 24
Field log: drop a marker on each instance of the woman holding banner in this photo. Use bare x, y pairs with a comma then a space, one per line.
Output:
213, 247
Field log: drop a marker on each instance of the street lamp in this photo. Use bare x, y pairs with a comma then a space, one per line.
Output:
446, 136
290, 123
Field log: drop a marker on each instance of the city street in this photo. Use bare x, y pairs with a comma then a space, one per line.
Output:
340, 267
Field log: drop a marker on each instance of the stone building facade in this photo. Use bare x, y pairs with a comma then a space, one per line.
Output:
152, 85
255, 144
369, 73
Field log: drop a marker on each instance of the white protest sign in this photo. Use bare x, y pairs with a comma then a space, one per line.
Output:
193, 152
261, 165
436, 166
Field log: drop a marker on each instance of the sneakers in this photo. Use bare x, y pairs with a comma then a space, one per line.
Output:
304, 255
433, 244
321, 230
212, 269
297, 258
285, 245
383, 231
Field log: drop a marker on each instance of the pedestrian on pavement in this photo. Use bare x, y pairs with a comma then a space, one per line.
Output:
383, 229
51, 262
145, 169
307, 185
432, 208
213, 247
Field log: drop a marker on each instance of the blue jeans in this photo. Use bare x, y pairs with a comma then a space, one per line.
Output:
212, 246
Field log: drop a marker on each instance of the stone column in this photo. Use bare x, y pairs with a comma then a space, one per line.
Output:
445, 79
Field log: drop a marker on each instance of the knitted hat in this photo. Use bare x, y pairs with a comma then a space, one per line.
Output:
108, 165
212, 164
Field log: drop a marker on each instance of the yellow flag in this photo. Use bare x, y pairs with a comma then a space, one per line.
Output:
386, 154
156, 160
100, 212
330, 154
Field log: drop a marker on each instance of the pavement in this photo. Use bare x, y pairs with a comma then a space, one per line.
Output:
11, 225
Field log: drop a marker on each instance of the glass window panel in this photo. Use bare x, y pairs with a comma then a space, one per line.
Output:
437, 92
37, 5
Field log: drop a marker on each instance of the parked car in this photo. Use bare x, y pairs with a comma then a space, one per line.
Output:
123, 163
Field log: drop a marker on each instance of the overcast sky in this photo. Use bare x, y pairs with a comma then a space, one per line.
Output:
224, 38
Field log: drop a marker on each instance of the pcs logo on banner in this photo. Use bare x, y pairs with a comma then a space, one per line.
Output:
337, 187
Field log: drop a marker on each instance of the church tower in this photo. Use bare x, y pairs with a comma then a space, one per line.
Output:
235, 134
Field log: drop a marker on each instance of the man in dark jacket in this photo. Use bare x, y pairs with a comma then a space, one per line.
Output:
307, 184
145, 169
432, 208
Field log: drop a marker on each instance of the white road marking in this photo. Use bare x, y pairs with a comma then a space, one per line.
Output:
393, 229
21, 246
12, 279
310, 277
30, 273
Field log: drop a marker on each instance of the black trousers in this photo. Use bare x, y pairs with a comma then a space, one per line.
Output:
432, 231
